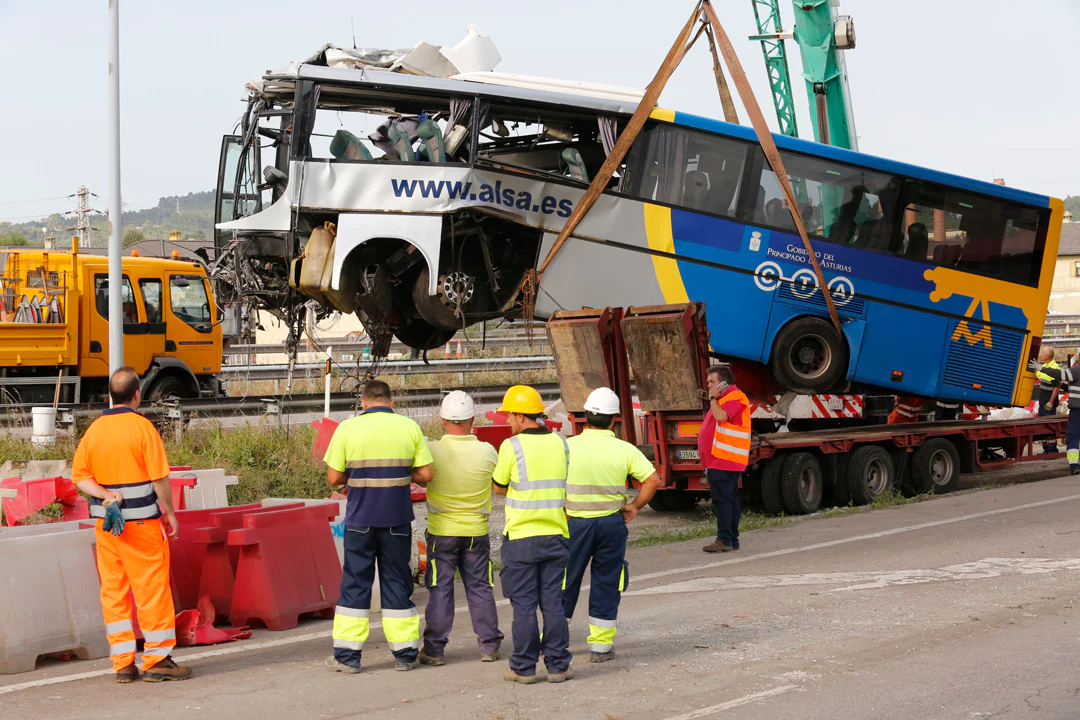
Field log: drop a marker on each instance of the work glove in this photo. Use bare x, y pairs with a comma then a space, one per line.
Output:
1048, 407
1034, 366
114, 521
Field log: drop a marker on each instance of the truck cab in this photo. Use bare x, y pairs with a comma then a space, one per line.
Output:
54, 310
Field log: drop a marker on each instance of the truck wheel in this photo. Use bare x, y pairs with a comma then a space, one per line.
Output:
809, 356
673, 501
870, 472
935, 467
772, 497
167, 388
801, 483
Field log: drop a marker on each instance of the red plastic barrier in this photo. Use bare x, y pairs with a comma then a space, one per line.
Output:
35, 495
220, 560
178, 485
187, 555
493, 434
288, 567
325, 428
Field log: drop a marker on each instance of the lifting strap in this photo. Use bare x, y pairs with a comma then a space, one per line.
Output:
704, 13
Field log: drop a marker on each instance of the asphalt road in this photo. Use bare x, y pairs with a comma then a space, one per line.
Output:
960, 607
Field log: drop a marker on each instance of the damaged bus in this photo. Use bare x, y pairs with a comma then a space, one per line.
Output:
419, 203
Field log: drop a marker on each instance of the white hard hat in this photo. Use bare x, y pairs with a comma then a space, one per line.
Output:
602, 401
457, 405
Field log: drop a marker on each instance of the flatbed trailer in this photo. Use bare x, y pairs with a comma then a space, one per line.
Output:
789, 472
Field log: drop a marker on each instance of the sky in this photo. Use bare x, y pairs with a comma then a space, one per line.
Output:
981, 88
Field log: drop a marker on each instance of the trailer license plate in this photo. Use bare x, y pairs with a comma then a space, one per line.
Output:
689, 455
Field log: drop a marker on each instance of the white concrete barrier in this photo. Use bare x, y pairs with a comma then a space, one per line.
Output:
210, 492
50, 595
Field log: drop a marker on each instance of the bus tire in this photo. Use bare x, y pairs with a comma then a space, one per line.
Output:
673, 501
801, 483
870, 473
935, 467
772, 497
809, 356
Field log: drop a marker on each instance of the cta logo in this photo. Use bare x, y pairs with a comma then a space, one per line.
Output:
804, 285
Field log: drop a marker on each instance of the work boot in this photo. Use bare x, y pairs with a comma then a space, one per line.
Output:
492, 656
598, 657
523, 679
401, 666
716, 546
426, 659
561, 677
127, 675
166, 670
337, 666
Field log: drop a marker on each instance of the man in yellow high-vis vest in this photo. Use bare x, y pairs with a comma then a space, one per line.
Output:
599, 508
458, 504
531, 473
377, 454
1047, 392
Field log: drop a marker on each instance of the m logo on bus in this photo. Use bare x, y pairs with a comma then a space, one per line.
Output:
963, 330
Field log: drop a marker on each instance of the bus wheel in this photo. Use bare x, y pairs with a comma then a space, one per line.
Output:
801, 483
809, 356
422, 335
870, 472
935, 467
673, 501
772, 497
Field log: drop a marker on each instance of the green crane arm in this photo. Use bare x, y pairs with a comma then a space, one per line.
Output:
817, 31
770, 31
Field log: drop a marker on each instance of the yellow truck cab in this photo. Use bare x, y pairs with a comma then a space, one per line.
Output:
54, 308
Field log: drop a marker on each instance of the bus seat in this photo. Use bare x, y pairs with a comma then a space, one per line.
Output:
918, 241
695, 190
946, 255
399, 138
346, 146
575, 164
431, 142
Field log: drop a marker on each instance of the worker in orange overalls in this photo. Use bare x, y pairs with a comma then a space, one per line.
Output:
906, 410
121, 463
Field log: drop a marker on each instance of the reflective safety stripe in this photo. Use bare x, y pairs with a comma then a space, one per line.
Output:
564, 579
436, 509
491, 573
622, 578
401, 628
380, 482
717, 445
601, 635
527, 485
133, 491
732, 440
434, 571
161, 651
118, 627
127, 646
157, 636
349, 644
731, 432
597, 622
580, 505
1073, 456
535, 504
596, 489
140, 513
379, 463
352, 612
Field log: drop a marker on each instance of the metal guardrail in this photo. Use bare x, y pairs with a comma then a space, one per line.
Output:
393, 367
274, 406
348, 345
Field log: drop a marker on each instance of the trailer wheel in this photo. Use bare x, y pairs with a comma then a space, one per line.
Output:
673, 501
809, 356
772, 496
870, 473
935, 467
801, 483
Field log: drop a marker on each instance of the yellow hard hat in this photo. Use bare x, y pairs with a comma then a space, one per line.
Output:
522, 399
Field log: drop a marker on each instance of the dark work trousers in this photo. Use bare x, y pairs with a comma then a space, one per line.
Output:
472, 557
533, 570
603, 542
724, 488
1049, 446
390, 547
1072, 438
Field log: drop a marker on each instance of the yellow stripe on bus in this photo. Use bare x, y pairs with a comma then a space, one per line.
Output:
658, 232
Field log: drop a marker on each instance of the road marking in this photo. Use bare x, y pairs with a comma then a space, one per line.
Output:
251, 647
976, 570
844, 541
745, 700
